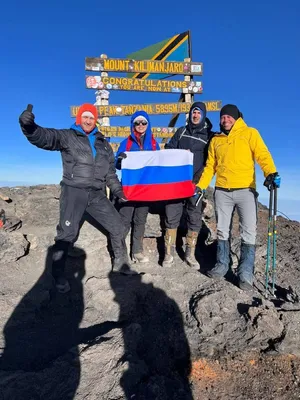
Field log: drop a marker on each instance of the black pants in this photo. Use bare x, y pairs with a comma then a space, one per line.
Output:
174, 210
74, 202
138, 212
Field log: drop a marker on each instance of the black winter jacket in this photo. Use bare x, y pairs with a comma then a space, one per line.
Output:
80, 168
196, 139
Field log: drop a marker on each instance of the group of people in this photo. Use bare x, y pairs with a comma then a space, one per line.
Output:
89, 166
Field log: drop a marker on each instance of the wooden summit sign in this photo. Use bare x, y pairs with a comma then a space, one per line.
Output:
143, 85
151, 109
145, 66
124, 131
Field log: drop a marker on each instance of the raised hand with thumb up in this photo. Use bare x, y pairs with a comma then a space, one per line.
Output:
27, 117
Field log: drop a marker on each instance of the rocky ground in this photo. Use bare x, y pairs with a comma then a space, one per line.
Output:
164, 334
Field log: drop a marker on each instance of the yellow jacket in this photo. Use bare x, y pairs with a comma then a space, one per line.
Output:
232, 157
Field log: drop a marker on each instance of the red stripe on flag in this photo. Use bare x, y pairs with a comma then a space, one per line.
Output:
164, 191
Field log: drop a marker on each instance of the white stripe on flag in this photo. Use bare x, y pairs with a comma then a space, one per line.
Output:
162, 158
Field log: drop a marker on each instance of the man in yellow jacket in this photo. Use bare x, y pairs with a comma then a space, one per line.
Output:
231, 156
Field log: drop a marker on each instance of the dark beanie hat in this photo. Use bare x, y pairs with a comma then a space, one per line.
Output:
232, 110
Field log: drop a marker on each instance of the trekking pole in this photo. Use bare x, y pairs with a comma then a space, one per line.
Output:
199, 198
274, 241
270, 233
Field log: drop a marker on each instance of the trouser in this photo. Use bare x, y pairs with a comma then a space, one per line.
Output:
74, 202
174, 210
245, 202
138, 212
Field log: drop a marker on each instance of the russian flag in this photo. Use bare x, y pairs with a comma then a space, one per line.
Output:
158, 175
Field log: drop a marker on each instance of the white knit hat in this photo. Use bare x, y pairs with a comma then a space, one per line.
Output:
140, 118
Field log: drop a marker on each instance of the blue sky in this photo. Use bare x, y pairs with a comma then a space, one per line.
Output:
250, 52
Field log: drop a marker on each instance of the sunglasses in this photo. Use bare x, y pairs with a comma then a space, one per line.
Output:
137, 123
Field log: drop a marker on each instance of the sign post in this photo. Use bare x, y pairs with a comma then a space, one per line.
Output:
188, 97
152, 69
102, 98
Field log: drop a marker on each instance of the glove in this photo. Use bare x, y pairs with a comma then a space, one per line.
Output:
121, 157
27, 117
199, 191
197, 196
277, 181
121, 196
272, 180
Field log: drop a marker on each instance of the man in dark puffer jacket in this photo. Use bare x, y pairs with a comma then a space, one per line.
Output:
195, 137
88, 166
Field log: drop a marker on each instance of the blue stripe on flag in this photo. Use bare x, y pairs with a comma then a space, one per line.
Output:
156, 174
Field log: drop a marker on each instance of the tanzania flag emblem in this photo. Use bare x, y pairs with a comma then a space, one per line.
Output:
176, 48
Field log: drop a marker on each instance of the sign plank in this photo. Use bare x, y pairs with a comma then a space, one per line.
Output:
142, 85
151, 109
146, 66
115, 146
124, 131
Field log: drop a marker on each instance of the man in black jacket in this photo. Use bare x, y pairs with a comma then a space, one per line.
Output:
193, 137
88, 167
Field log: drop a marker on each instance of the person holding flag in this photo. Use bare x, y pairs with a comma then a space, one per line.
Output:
140, 139
194, 137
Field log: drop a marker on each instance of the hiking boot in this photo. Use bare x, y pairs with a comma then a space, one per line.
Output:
168, 260
245, 269
216, 273
222, 265
140, 257
191, 240
128, 245
170, 240
246, 286
62, 285
190, 258
121, 265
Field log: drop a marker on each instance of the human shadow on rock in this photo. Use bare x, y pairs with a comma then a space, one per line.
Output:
45, 326
156, 356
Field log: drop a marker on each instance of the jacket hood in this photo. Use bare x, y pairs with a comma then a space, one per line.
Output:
202, 107
148, 133
208, 124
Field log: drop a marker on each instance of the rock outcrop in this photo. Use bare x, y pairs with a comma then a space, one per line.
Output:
164, 334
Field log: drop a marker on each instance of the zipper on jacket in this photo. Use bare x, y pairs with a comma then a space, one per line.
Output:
94, 158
